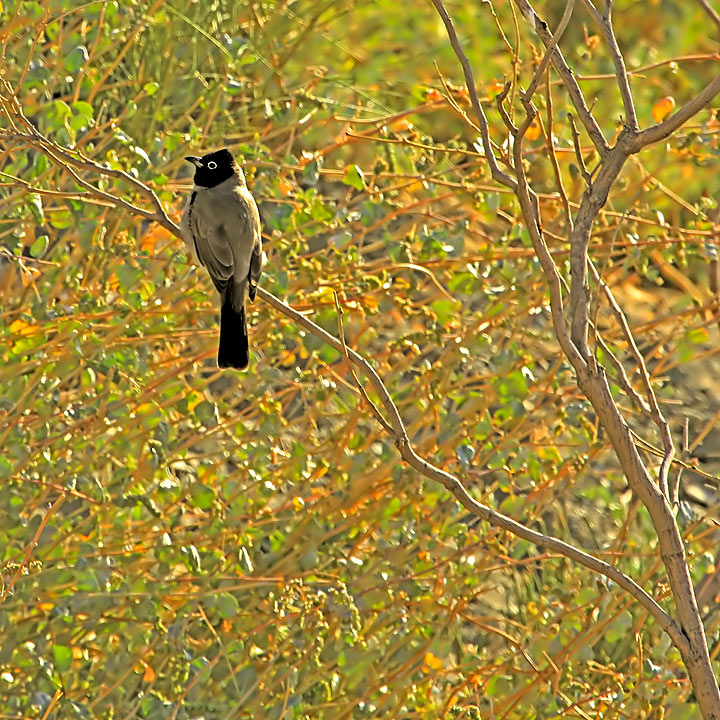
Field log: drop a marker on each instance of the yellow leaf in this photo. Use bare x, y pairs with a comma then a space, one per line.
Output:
145, 409
370, 302
432, 661
20, 327
286, 357
663, 108
495, 89
533, 132
285, 187
151, 238
402, 124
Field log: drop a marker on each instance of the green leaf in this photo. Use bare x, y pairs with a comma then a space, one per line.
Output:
60, 218
354, 177
202, 496
62, 111
83, 110
618, 628
697, 336
311, 172
36, 208
151, 88
227, 605
62, 656
445, 310
207, 413
40, 246
6, 467
192, 558
76, 59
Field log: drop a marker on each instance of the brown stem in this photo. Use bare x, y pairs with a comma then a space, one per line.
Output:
605, 22
495, 170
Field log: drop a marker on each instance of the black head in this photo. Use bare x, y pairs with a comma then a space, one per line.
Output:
214, 168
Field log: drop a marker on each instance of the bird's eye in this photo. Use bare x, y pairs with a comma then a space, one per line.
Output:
212, 165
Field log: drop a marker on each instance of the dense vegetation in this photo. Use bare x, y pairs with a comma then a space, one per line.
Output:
178, 542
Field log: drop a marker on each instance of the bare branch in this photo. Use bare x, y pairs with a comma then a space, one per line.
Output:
361, 388
655, 412
578, 153
591, 377
593, 200
504, 115
528, 199
495, 170
711, 12
605, 22
531, 212
568, 78
684, 456
564, 20
549, 144
622, 380
65, 158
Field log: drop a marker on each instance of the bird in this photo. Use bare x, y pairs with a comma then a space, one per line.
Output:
221, 224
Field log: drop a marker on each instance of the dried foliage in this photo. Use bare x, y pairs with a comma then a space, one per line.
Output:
177, 541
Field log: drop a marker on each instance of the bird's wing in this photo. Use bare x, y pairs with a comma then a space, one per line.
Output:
211, 242
255, 270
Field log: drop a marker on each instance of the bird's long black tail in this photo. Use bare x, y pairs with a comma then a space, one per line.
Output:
233, 349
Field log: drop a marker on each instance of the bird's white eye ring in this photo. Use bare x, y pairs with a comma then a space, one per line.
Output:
212, 165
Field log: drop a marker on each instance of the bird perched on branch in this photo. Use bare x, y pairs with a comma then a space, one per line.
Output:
221, 224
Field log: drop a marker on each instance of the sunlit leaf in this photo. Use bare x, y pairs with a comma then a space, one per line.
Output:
354, 177
662, 108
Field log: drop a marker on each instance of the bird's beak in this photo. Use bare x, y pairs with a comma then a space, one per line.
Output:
196, 161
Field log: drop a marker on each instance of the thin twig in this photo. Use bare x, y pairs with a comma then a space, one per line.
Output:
495, 170
22, 565
550, 49
65, 158
568, 78
622, 380
684, 456
604, 20
553, 156
711, 12
530, 208
361, 388
578, 153
655, 412
500, 102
